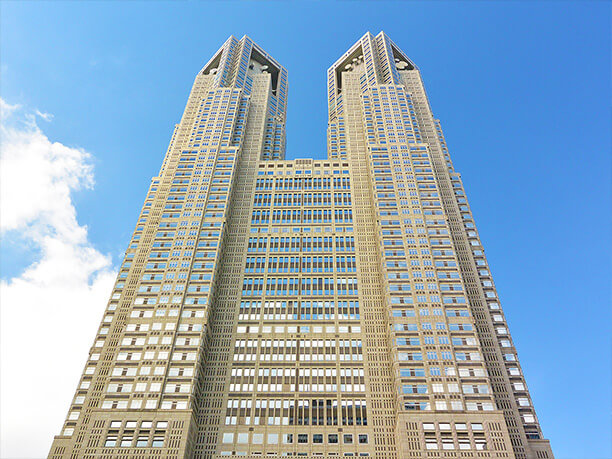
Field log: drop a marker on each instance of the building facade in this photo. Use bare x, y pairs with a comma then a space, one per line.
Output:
313, 308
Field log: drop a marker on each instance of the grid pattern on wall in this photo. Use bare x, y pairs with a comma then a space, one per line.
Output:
335, 308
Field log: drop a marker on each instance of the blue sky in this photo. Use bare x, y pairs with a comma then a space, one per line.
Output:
523, 93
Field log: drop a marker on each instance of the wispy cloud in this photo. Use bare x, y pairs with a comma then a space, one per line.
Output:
44, 116
7, 110
49, 312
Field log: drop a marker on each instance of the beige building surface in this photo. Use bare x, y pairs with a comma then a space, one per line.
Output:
310, 308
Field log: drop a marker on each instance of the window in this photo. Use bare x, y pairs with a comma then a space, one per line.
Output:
228, 438
126, 442
481, 445
157, 442
529, 418
258, 439
111, 441
431, 444
142, 442
448, 444
272, 439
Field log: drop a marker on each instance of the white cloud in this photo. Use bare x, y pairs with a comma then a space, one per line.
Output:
48, 313
44, 116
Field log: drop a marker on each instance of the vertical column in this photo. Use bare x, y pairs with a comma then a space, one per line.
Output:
372, 301
217, 366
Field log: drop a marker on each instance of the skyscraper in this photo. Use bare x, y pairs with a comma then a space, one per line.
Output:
314, 308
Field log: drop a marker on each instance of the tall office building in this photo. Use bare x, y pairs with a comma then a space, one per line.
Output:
312, 308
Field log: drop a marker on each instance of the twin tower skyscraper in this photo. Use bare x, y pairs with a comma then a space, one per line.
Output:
312, 308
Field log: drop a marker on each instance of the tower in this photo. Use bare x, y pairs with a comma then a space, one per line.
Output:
339, 307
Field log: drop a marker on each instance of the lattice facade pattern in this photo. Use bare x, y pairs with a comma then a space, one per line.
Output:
333, 308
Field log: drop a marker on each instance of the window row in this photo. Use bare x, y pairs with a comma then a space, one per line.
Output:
303, 183
299, 199
260, 217
305, 350
257, 286
301, 244
298, 264
299, 310
315, 412
289, 438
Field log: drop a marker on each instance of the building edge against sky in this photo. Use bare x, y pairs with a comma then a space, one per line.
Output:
339, 307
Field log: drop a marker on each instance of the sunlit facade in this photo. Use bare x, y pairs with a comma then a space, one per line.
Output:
312, 308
